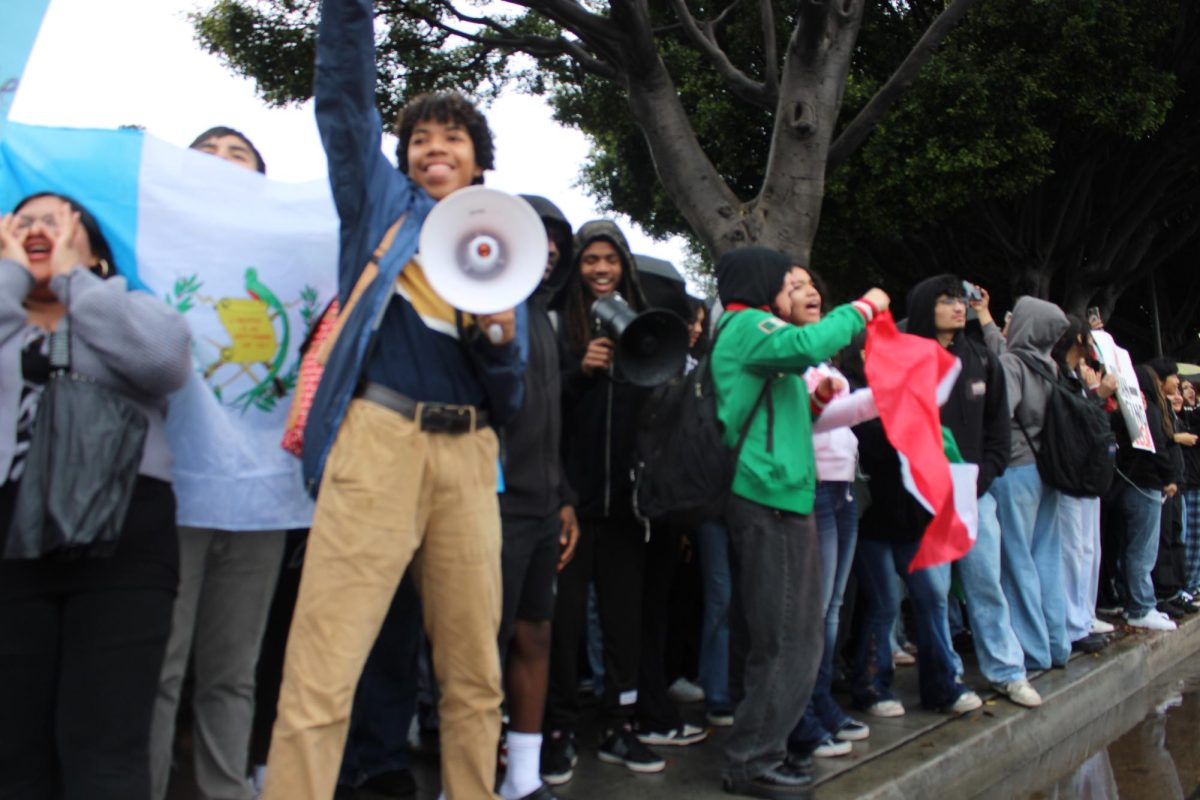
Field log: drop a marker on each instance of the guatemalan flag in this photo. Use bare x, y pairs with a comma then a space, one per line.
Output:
249, 262
911, 377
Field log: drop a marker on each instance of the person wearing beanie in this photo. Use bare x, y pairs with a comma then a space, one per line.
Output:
758, 360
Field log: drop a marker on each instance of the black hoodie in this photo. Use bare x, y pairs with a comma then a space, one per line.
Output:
534, 484
977, 411
599, 413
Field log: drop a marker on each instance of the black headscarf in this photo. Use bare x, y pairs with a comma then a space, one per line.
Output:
752, 275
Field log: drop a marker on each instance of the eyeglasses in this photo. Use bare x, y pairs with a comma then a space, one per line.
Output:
952, 301
25, 222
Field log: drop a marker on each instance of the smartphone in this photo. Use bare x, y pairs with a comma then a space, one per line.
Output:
1093, 315
971, 291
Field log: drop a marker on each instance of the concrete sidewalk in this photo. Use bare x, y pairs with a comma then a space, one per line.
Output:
1001, 750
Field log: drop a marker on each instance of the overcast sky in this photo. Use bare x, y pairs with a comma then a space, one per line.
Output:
120, 62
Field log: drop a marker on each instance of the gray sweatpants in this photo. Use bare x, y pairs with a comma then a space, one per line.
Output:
777, 587
226, 582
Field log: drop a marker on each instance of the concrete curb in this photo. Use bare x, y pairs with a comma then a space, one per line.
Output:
1003, 749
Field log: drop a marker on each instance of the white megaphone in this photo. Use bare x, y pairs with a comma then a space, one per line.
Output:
483, 250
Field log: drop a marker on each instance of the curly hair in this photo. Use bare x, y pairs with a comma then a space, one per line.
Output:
446, 108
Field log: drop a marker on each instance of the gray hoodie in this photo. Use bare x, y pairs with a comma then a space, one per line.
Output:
130, 342
1035, 328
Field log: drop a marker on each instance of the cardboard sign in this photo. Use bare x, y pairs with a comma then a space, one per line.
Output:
1116, 360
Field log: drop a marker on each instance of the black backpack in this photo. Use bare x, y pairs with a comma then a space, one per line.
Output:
1079, 450
684, 470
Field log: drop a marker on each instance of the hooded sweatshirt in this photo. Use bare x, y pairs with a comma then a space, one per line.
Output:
775, 467
1035, 328
531, 452
600, 411
977, 412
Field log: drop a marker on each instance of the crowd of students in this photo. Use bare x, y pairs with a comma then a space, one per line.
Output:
420, 580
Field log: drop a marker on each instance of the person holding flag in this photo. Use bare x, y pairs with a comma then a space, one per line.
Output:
760, 355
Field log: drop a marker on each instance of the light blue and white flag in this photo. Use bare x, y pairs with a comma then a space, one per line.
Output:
249, 262
19, 24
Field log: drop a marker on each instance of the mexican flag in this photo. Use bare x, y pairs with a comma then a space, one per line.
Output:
911, 377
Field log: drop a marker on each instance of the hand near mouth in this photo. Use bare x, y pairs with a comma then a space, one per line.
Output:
65, 255
12, 240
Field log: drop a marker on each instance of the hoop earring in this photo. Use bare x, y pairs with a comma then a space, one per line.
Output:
104, 268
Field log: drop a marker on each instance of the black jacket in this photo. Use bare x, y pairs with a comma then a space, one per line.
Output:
1147, 470
531, 443
534, 484
977, 411
1190, 419
600, 414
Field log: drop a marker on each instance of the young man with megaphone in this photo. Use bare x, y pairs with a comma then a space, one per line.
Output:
399, 436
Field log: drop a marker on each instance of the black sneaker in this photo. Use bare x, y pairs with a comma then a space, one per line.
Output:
398, 783
621, 746
784, 782
1092, 643
558, 757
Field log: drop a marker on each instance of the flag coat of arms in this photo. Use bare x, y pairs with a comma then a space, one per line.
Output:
249, 262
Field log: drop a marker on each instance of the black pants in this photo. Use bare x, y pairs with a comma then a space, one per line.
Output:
81, 649
655, 709
614, 554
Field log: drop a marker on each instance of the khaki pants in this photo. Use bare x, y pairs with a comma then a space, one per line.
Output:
392, 495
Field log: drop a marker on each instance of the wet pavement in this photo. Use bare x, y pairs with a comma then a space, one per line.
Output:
1123, 723
1159, 759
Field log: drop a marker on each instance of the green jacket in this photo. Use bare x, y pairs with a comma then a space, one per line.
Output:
752, 346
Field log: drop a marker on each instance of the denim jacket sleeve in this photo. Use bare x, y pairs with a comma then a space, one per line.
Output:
368, 191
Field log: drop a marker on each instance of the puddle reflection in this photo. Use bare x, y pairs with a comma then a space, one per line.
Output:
1159, 759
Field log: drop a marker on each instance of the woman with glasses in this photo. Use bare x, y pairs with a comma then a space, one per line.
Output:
82, 639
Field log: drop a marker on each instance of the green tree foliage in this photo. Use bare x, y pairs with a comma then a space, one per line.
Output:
713, 117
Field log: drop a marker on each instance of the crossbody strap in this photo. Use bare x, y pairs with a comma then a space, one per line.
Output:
764, 394
369, 273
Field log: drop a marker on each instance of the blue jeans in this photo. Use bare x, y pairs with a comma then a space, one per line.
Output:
1031, 565
1001, 659
878, 562
386, 698
713, 542
1142, 510
836, 513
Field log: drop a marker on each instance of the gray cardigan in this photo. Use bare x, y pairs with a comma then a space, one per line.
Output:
131, 342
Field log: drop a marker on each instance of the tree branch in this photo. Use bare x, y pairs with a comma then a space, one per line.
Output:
854, 134
741, 84
770, 48
531, 44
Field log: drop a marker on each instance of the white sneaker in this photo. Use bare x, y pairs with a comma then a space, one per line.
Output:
684, 691
886, 708
1152, 620
1100, 626
967, 701
831, 748
1020, 692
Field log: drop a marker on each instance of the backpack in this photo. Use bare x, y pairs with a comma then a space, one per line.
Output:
1079, 450
684, 470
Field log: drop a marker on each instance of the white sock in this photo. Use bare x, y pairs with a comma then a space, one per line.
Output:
524, 765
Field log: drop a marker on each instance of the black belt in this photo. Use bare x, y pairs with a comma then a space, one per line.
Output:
430, 417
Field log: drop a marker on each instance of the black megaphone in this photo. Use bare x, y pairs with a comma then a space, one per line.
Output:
651, 346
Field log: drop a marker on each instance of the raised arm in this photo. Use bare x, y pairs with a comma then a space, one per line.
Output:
351, 131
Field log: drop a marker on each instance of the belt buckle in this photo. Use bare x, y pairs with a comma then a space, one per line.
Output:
438, 418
